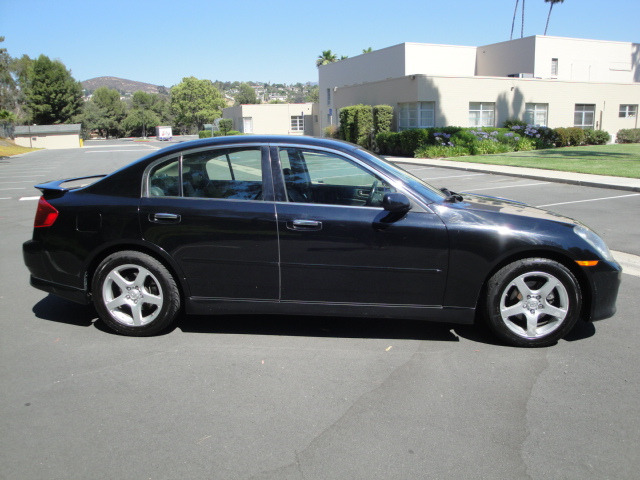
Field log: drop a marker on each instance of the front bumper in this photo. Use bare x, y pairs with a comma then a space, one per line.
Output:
605, 283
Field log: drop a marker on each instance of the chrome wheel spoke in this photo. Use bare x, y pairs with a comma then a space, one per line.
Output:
115, 277
548, 287
532, 324
522, 287
512, 310
559, 313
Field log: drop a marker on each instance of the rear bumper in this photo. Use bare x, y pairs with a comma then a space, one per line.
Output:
605, 283
64, 291
36, 260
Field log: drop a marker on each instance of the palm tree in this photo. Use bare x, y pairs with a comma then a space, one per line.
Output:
367, 50
513, 22
522, 29
326, 57
551, 4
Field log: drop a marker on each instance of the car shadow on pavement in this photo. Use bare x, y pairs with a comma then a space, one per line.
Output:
55, 309
309, 326
59, 310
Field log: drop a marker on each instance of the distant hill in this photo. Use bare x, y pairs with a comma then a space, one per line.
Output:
124, 86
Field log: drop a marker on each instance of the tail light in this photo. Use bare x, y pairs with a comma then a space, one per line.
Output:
46, 215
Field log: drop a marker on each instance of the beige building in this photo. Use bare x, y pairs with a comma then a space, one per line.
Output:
548, 81
48, 136
275, 118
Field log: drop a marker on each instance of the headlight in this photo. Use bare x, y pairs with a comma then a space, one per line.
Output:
595, 241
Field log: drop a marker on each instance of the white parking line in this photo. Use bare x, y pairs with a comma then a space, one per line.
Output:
508, 186
22, 199
589, 200
457, 176
129, 150
22, 176
13, 188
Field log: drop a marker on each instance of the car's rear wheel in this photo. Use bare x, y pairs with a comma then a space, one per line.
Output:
135, 294
533, 302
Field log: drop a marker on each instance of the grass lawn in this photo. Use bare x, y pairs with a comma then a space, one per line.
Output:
621, 160
8, 148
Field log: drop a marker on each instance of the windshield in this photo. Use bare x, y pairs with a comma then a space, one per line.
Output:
418, 185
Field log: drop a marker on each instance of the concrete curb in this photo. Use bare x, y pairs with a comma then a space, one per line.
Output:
583, 179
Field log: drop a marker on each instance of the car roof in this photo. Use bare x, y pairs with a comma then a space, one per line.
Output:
265, 139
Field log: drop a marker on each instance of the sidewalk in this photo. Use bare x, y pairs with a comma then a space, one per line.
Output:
585, 179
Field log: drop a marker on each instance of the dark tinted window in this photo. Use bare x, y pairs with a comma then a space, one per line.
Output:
314, 176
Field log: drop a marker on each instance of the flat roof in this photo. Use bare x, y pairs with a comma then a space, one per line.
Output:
47, 129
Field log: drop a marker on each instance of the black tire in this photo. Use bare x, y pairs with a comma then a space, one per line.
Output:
135, 294
533, 302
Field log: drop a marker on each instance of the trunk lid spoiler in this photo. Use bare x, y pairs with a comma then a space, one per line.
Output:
58, 188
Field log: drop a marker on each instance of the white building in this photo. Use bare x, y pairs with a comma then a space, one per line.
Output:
48, 136
275, 118
549, 81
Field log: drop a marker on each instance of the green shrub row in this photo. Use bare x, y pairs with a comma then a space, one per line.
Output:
628, 135
455, 141
207, 133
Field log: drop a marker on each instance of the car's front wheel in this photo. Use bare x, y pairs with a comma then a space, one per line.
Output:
135, 294
533, 302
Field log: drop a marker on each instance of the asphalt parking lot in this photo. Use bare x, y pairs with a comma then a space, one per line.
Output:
310, 398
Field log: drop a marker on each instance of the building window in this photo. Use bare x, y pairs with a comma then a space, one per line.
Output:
297, 123
482, 114
584, 115
536, 114
416, 115
247, 124
554, 67
328, 96
628, 111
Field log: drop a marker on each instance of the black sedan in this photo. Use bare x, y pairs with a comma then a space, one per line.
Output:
304, 226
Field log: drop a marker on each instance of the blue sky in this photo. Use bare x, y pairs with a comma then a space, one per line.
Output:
274, 41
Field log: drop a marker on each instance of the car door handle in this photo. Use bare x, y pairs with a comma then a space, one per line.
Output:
164, 217
304, 225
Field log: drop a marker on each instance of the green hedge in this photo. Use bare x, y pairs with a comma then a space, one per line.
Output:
628, 135
453, 141
207, 133
361, 124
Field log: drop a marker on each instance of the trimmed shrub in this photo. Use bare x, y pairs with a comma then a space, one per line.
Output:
440, 151
356, 124
596, 137
628, 135
388, 143
510, 122
570, 136
204, 133
382, 118
411, 140
331, 132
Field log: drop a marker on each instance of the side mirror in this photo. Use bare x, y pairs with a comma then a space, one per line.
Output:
396, 203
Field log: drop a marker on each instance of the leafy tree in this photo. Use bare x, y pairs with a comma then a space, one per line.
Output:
246, 95
111, 110
142, 114
551, 4
8, 88
313, 95
325, 58
196, 102
52, 95
367, 50
225, 125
